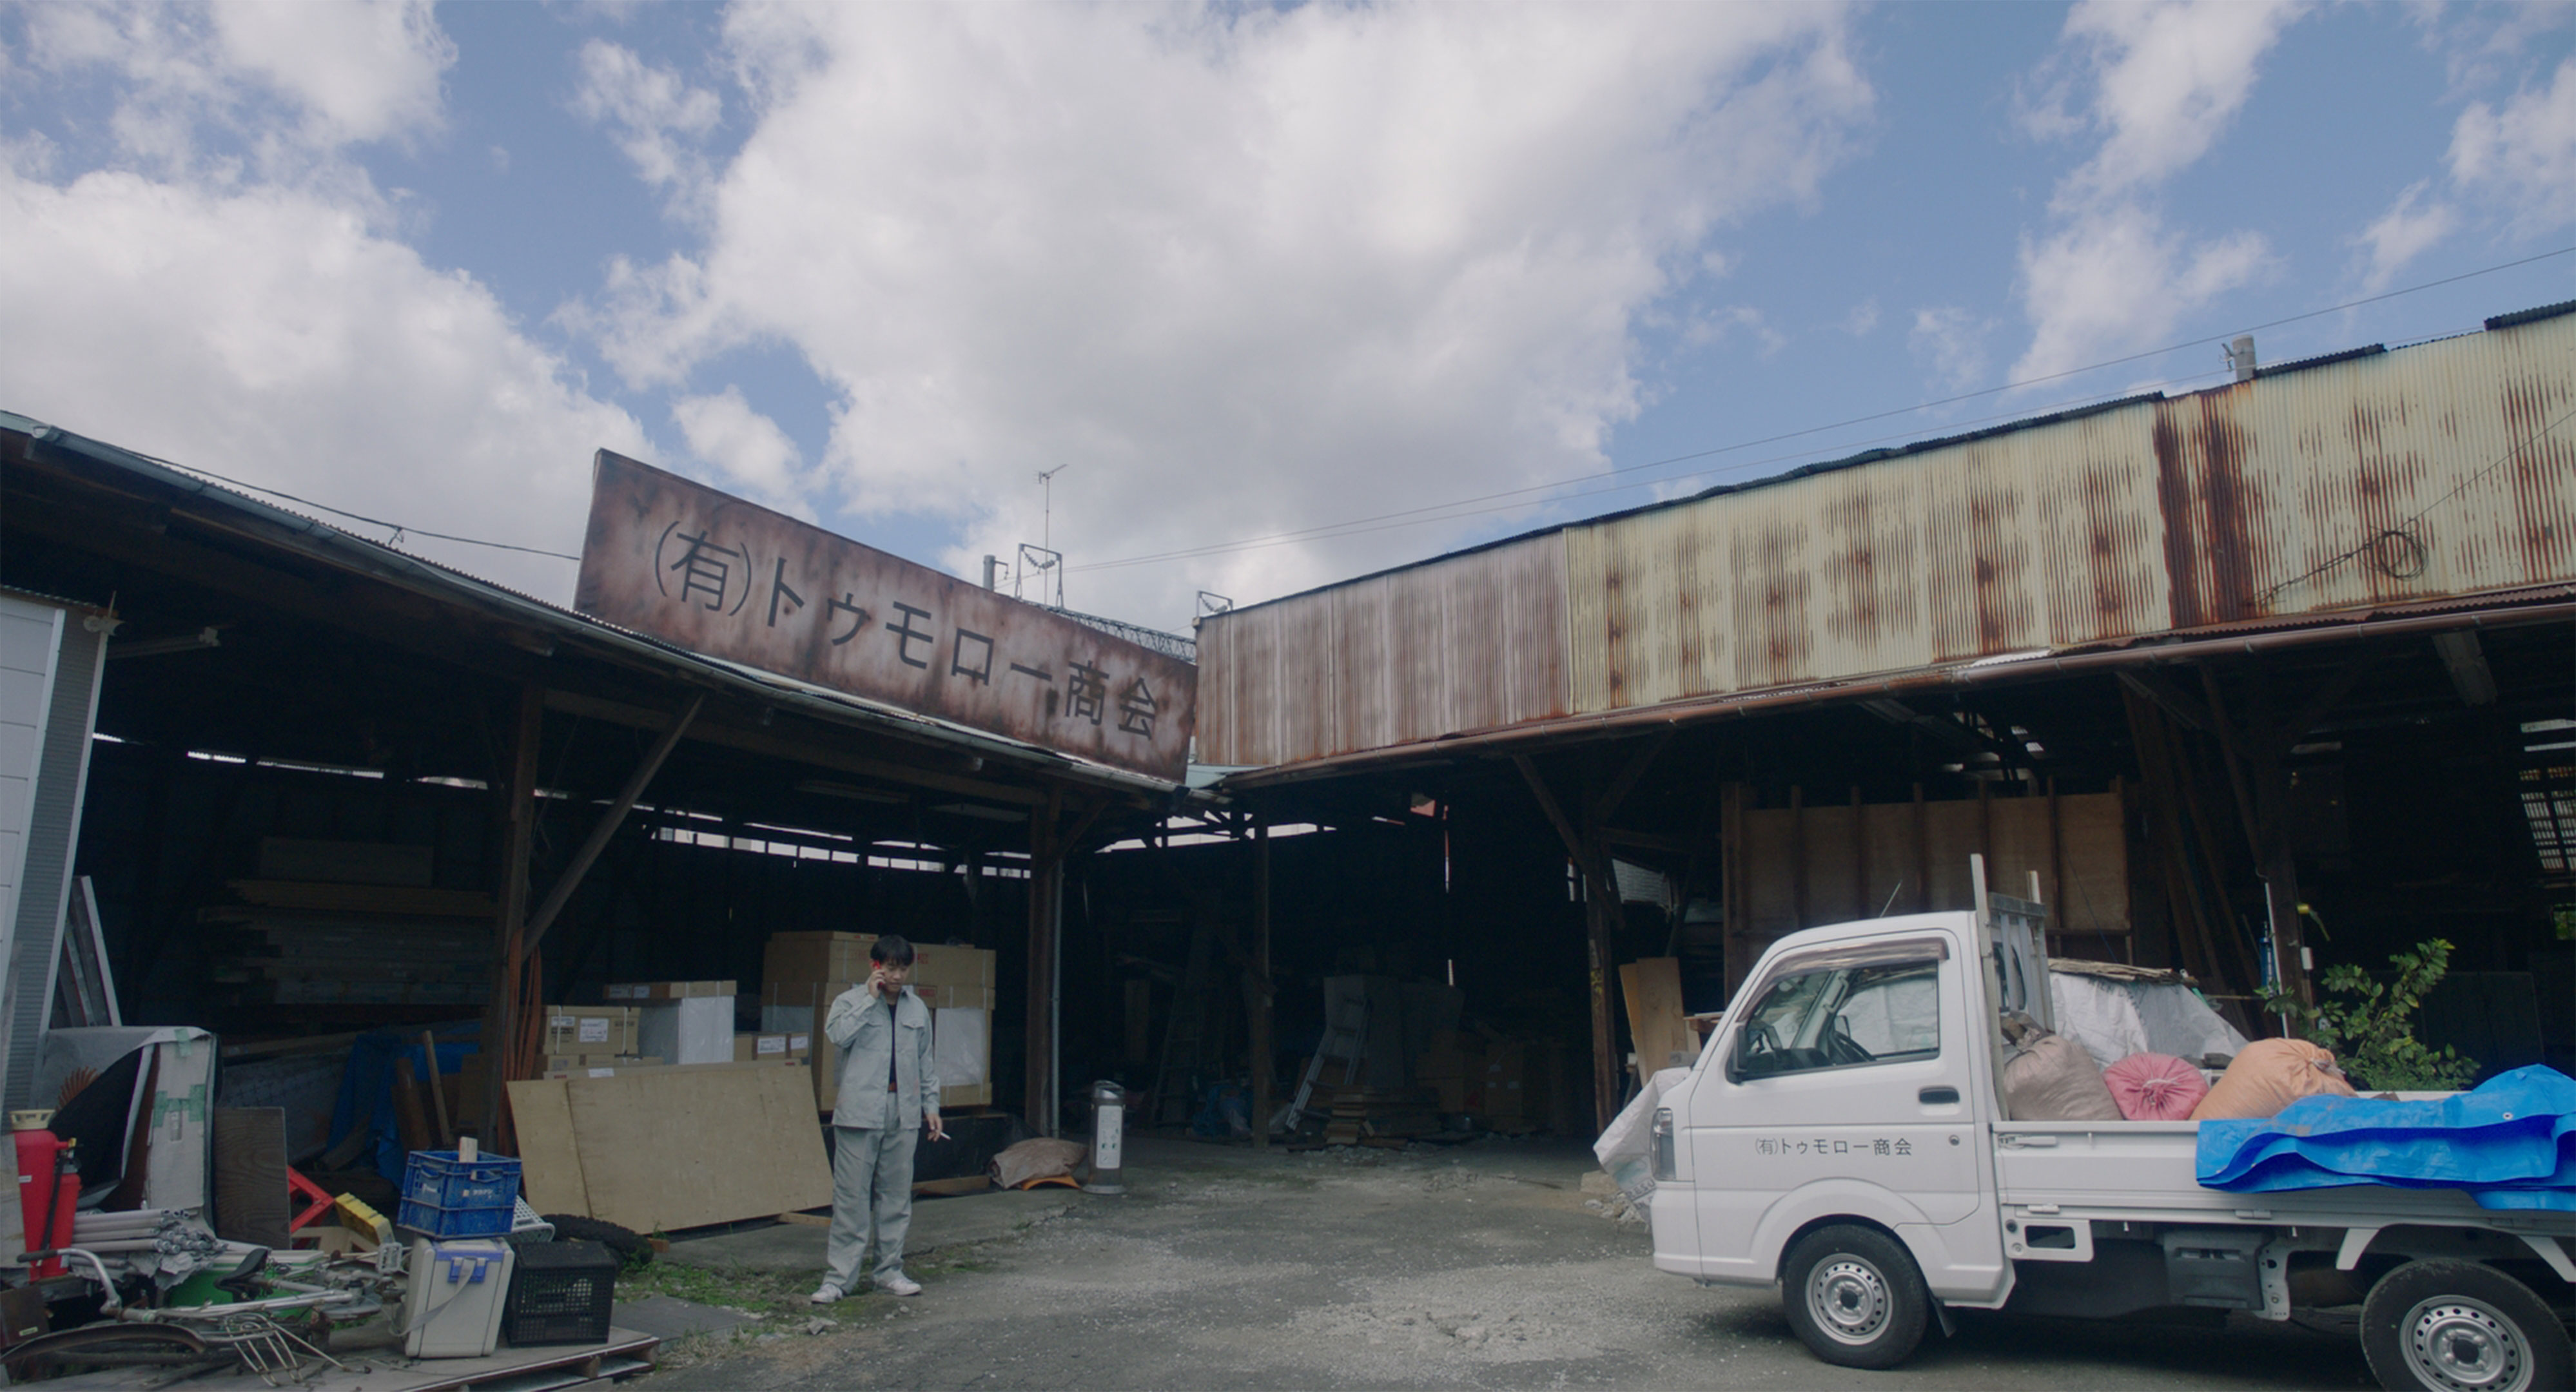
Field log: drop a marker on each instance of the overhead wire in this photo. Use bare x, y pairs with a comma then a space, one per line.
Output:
1362, 525
1470, 507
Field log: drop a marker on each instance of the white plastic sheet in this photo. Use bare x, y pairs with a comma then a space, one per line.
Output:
2114, 1019
1626, 1147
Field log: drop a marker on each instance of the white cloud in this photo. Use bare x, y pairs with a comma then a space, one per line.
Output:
2117, 281
2169, 77
1252, 269
1951, 341
656, 116
2166, 80
341, 74
723, 430
1863, 319
2523, 156
2407, 230
360, 69
269, 335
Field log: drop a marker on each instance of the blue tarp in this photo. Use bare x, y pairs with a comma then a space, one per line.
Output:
367, 1087
2511, 1144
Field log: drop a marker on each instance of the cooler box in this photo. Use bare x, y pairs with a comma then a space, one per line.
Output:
457, 1290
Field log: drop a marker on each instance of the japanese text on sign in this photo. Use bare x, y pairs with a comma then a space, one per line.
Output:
731, 579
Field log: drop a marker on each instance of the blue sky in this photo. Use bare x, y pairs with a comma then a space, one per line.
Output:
1354, 284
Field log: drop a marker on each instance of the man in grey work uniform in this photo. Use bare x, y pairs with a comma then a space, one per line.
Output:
889, 1094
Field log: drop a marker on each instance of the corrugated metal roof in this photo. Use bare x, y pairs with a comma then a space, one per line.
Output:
2350, 482
445, 582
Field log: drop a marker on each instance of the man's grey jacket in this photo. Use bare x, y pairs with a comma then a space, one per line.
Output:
870, 1034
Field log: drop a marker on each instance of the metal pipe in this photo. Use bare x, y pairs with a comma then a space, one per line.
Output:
1983, 672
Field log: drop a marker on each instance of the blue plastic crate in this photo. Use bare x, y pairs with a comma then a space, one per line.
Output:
455, 1222
437, 1179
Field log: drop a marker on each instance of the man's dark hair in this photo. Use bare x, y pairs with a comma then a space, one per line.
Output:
894, 950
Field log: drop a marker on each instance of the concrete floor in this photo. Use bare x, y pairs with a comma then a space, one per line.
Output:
1473, 1267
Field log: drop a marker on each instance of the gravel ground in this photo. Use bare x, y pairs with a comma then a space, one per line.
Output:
1478, 1266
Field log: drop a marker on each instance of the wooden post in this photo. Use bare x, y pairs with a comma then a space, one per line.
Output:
2065, 907
1046, 891
1867, 906
1733, 892
1797, 856
518, 829
1600, 900
560, 892
1259, 980
1922, 852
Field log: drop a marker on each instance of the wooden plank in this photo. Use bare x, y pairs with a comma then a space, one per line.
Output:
549, 1161
1652, 988
962, 1184
250, 1175
684, 1148
386, 899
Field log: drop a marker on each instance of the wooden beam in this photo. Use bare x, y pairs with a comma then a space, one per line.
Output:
518, 831
1046, 884
1625, 781
1257, 982
797, 751
561, 892
1600, 901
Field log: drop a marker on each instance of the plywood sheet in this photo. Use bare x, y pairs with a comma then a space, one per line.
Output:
685, 1148
1652, 990
549, 1162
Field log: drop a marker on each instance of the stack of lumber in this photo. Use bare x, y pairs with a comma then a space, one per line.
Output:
1379, 1116
356, 925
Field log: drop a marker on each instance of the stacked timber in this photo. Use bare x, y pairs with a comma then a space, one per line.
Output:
348, 942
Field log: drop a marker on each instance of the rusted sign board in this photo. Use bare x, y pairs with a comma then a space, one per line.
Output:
731, 579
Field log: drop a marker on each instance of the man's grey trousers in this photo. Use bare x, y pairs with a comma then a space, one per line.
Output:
871, 1188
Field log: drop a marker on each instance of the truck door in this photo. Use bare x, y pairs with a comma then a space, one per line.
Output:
1845, 1086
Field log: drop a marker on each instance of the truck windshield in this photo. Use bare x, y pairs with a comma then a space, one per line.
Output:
1841, 1018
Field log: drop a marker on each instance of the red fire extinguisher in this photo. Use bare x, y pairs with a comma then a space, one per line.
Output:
48, 1188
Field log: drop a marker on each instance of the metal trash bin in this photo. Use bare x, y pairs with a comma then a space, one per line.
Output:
1108, 1138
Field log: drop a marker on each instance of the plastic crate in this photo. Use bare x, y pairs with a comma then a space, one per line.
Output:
560, 1294
447, 1197
437, 1177
432, 1221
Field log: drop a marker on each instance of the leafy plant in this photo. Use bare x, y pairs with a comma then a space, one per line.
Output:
2372, 1034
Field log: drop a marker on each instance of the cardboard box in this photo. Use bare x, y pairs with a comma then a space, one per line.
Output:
692, 1029
579, 1061
816, 957
968, 967
669, 990
792, 957
625, 1070
749, 1048
591, 1030
956, 997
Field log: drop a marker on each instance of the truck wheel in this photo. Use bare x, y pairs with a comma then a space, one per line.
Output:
1855, 1297
2461, 1326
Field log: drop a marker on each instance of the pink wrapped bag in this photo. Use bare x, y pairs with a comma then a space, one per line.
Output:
2155, 1087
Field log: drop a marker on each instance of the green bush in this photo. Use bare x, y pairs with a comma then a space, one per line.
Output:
2372, 1034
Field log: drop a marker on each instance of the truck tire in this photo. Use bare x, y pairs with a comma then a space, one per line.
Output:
1855, 1297
2461, 1326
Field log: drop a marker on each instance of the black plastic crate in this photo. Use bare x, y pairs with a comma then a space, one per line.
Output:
560, 1294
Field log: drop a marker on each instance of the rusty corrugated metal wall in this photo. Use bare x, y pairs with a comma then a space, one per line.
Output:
2440, 469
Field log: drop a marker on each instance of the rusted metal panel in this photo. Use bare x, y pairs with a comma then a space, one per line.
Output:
2448, 468
724, 577
1469, 642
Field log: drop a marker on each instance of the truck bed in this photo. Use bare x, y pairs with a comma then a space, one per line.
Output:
2143, 1171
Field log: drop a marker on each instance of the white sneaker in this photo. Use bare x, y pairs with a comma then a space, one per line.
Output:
898, 1284
828, 1293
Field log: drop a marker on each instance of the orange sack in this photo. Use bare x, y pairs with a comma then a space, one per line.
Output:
2269, 1075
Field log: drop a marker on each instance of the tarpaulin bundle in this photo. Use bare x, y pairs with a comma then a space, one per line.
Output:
2511, 1144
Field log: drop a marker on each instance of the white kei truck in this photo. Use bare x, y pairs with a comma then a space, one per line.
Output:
1881, 1185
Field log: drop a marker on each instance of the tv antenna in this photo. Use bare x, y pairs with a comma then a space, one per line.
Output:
1046, 521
